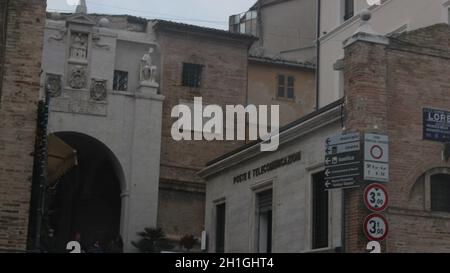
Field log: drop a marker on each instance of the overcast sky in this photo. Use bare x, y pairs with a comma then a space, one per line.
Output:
211, 13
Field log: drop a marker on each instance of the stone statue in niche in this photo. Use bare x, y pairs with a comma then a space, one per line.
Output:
148, 70
77, 78
98, 90
79, 47
53, 86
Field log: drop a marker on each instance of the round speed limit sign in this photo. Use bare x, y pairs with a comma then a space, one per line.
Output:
376, 197
376, 227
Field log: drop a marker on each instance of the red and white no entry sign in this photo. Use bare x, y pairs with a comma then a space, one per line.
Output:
376, 152
376, 197
376, 227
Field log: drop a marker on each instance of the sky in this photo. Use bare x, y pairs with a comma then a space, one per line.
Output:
210, 13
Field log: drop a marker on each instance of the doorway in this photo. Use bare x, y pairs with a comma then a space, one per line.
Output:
85, 203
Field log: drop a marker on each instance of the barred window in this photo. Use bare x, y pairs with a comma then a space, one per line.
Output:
192, 75
120, 80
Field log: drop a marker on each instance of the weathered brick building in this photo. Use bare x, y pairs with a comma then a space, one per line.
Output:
221, 60
388, 84
21, 38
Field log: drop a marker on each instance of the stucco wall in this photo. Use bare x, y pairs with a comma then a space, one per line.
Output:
263, 88
386, 18
292, 198
289, 25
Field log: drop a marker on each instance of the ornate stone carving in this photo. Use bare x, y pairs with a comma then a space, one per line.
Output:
98, 90
59, 37
148, 70
96, 39
53, 85
77, 79
79, 46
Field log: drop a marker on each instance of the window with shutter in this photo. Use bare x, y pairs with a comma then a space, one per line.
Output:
281, 86
290, 87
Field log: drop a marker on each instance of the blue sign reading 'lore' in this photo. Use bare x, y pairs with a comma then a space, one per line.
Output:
436, 125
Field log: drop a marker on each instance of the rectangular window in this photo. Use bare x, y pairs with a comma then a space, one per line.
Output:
220, 228
192, 75
348, 9
440, 193
281, 86
120, 82
319, 212
286, 87
244, 23
264, 221
290, 87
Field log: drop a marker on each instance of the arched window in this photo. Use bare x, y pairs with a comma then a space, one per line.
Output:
437, 190
440, 192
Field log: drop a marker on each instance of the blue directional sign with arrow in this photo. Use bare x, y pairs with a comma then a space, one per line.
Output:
343, 161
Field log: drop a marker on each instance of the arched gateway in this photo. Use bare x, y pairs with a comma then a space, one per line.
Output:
85, 202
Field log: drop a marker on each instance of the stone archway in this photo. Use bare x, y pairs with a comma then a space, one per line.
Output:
86, 202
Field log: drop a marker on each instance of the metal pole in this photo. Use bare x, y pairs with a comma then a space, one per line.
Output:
42, 170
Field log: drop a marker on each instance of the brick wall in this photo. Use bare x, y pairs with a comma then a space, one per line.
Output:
224, 82
20, 92
365, 87
388, 86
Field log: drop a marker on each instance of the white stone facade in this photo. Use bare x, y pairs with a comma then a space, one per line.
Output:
392, 16
292, 191
80, 57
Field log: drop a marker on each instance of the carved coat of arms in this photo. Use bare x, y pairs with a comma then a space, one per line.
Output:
98, 90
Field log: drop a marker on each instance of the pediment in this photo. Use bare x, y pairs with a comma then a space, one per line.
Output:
79, 18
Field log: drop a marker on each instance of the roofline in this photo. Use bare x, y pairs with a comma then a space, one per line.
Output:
281, 62
326, 115
275, 2
170, 25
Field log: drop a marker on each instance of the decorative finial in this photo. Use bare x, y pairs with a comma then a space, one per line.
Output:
81, 7
366, 27
366, 15
365, 32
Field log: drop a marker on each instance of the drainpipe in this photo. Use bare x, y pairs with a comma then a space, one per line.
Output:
319, 6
